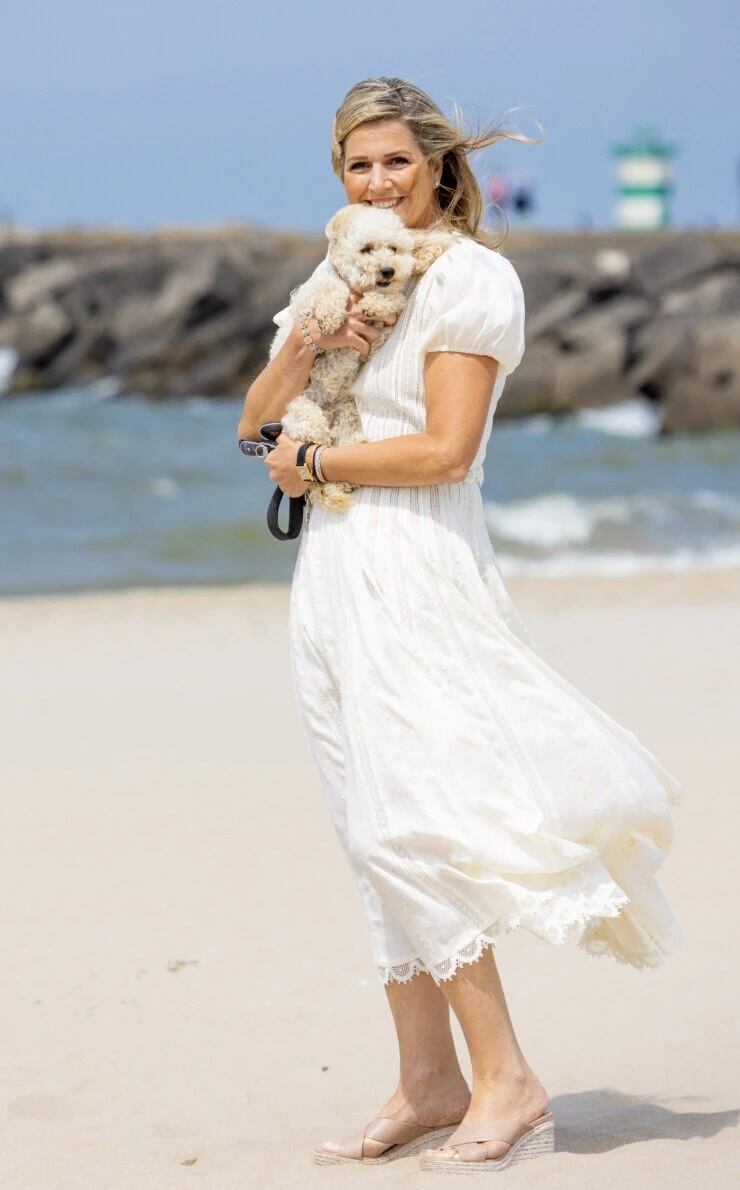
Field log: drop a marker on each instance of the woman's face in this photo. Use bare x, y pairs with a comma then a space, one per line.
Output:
383, 165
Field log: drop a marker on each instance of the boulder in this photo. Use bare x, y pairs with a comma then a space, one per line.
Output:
531, 387
40, 283
717, 293
675, 261
704, 393
610, 318
562, 305
41, 333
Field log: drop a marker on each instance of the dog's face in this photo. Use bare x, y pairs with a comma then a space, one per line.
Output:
370, 247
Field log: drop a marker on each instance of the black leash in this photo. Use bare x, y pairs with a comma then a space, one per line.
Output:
269, 433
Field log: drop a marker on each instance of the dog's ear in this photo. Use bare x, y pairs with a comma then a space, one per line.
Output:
340, 221
428, 245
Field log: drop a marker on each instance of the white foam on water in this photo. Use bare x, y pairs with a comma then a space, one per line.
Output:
553, 520
104, 389
165, 487
635, 417
717, 502
623, 562
8, 362
537, 423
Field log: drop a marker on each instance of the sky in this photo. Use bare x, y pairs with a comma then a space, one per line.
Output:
151, 114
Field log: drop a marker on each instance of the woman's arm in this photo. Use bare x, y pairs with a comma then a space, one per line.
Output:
285, 376
457, 395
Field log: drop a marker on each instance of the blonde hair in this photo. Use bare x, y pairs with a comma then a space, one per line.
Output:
459, 197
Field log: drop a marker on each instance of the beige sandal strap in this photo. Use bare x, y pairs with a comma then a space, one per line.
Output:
506, 1132
386, 1131
394, 1132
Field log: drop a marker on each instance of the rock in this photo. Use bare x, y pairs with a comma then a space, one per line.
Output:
593, 375
531, 387
42, 332
705, 393
718, 293
674, 262
613, 263
605, 319
561, 305
40, 283
550, 380
174, 312
657, 352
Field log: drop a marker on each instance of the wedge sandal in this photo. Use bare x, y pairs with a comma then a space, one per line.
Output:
401, 1138
524, 1140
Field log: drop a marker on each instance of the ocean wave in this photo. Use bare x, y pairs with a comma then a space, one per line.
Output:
8, 361
165, 486
716, 502
556, 519
636, 417
619, 562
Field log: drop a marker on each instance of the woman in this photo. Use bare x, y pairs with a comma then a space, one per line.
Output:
474, 789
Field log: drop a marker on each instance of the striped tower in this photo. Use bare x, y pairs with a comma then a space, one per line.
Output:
645, 175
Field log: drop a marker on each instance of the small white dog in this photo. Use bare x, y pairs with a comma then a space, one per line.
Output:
373, 253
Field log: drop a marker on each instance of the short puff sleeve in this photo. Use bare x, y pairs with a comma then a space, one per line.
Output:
476, 305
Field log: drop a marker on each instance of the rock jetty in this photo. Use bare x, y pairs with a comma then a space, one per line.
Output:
182, 312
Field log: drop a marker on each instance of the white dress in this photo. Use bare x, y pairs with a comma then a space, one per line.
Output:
474, 789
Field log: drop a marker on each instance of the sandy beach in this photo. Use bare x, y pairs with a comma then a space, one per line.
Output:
189, 997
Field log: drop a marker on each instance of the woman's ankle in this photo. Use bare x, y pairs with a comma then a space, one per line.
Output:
431, 1096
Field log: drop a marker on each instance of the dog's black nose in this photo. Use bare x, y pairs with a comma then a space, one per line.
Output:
387, 273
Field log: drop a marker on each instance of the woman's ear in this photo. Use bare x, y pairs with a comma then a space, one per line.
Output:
428, 246
340, 221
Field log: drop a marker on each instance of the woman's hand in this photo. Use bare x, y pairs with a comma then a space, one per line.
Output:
357, 331
281, 465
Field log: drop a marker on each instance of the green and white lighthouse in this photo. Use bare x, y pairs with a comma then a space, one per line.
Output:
645, 180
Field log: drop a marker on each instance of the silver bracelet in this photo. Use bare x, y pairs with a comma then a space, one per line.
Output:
316, 461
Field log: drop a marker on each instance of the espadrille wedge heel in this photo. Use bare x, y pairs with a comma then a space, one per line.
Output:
535, 1139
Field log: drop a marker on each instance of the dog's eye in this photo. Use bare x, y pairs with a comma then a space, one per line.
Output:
367, 248
392, 248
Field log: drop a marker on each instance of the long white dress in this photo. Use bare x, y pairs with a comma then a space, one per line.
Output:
474, 789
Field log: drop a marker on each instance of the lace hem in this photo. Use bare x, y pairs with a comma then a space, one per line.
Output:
555, 927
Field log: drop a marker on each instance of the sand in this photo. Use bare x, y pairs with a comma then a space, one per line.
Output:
188, 995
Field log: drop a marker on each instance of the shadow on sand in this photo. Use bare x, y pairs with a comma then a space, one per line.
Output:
597, 1121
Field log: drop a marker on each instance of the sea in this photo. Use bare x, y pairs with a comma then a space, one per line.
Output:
99, 491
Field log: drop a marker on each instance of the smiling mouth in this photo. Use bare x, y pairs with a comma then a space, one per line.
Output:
384, 203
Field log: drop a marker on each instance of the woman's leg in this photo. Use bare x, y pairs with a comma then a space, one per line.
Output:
431, 1088
504, 1085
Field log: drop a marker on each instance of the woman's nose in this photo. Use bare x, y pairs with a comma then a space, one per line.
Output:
378, 179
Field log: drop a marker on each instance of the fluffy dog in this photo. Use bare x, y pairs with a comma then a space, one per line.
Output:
373, 253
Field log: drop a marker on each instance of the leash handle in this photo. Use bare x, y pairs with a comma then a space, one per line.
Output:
269, 433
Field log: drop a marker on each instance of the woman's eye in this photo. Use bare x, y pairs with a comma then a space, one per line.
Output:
363, 164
